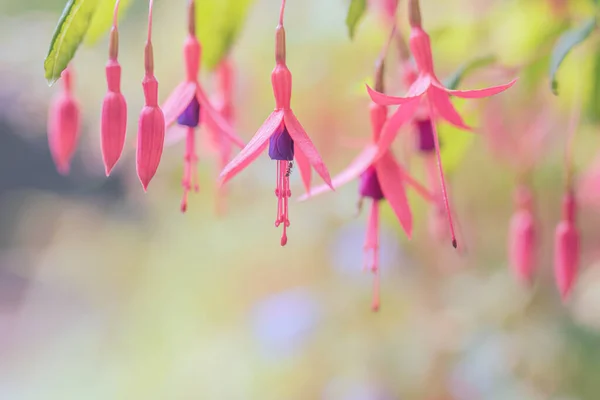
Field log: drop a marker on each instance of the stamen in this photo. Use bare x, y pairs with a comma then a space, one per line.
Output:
441, 172
283, 193
371, 246
190, 173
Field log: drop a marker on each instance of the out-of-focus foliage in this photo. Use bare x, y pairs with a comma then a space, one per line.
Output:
356, 11
102, 20
218, 24
452, 81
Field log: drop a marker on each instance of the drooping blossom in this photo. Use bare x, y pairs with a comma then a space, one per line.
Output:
285, 137
566, 239
380, 177
522, 236
63, 124
113, 124
437, 97
151, 125
188, 104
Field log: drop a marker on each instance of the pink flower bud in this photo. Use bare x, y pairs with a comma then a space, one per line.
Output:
522, 245
566, 250
63, 126
114, 117
151, 133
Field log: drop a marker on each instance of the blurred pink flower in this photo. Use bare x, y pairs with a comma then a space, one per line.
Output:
429, 87
566, 250
284, 135
187, 103
522, 237
63, 124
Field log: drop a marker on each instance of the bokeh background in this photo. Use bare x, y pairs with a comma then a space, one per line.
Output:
107, 292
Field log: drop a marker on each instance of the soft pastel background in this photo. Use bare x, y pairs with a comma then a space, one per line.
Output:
110, 293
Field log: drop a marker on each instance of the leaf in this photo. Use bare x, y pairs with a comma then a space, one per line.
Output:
218, 23
565, 43
68, 34
355, 13
454, 80
103, 18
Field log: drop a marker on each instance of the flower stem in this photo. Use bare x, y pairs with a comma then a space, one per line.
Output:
572, 130
414, 13
148, 52
113, 46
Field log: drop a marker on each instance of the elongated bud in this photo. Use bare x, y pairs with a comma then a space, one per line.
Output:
63, 125
113, 124
281, 79
566, 250
522, 245
151, 133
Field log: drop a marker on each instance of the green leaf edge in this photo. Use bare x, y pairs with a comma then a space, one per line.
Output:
353, 17
452, 81
557, 58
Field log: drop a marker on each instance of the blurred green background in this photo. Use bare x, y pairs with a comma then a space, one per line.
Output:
110, 293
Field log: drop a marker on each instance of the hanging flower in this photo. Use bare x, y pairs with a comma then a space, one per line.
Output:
151, 125
285, 137
114, 107
63, 124
188, 103
381, 177
429, 87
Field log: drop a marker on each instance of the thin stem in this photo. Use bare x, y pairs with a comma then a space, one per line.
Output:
192, 18
441, 171
572, 130
116, 13
281, 11
150, 6
148, 51
414, 13
379, 64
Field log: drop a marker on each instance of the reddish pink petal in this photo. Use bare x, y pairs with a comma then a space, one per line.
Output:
151, 137
566, 256
305, 145
522, 245
417, 89
353, 171
390, 129
113, 126
63, 130
175, 134
392, 184
304, 167
478, 93
443, 105
177, 101
421, 190
253, 149
217, 119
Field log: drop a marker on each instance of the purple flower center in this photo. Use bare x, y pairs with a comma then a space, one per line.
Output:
425, 139
369, 185
191, 115
281, 146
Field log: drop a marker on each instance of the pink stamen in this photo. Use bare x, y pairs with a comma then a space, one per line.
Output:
190, 173
283, 194
375, 303
441, 172
371, 246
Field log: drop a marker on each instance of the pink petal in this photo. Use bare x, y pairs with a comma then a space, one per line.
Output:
304, 167
217, 119
253, 149
443, 105
305, 145
392, 184
177, 101
478, 93
415, 91
390, 129
353, 171
417, 186
175, 134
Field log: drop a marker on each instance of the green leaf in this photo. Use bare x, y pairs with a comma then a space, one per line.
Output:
218, 23
70, 31
355, 13
454, 80
103, 18
565, 44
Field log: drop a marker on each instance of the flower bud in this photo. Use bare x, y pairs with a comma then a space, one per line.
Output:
63, 130
522, 245
114, 118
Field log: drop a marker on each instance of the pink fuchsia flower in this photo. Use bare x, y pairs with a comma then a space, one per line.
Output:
428, 87
522, 236
114, 107
285, 137
151, 125
188, 103
63, 124
381, 177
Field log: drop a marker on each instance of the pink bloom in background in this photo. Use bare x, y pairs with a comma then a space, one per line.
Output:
381, 177
437, 96
63, 124
151, 126
188, 103
386, 8
114, 107
566, 247
284, 135
522, 237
